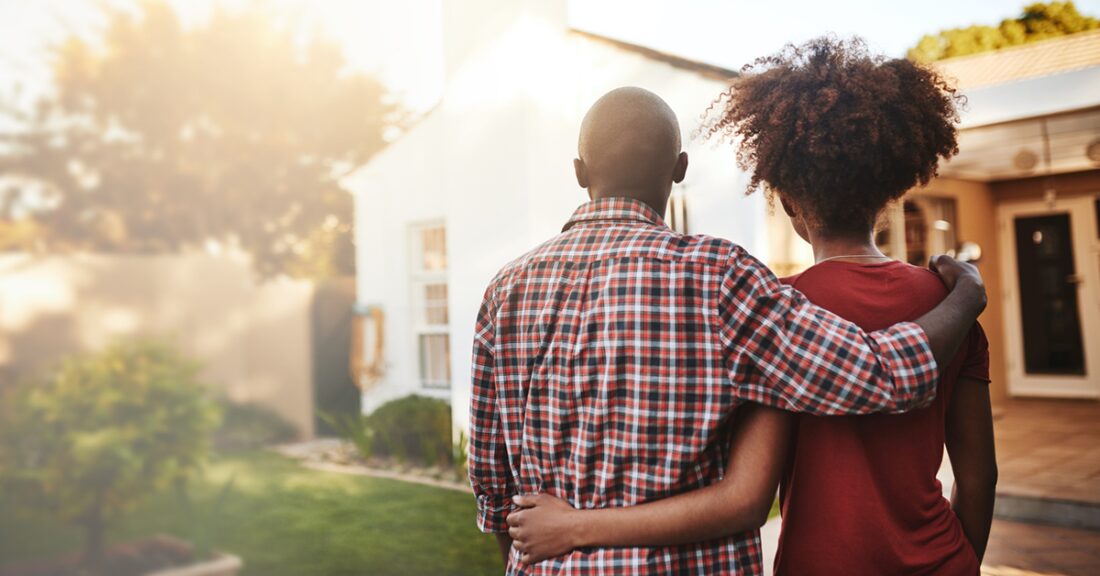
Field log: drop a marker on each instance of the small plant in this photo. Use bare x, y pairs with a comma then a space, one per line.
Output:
459, 456
354, 428
104, 432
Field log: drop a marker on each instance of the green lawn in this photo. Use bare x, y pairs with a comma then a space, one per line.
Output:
286, 520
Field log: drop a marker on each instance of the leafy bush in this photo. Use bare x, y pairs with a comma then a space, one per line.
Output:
249, 426
413, 428
107, 430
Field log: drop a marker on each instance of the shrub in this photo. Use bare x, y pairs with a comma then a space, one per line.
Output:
249, 426
104, 432
413, 428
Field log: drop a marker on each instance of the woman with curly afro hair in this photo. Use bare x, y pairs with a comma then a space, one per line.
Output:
835, 134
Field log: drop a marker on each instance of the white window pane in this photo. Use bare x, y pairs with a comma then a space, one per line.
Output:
435, 360
433, 247
435, 304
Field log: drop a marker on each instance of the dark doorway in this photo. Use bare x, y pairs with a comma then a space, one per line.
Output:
1048, 296
334, 392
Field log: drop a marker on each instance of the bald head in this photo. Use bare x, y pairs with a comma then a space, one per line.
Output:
630, 146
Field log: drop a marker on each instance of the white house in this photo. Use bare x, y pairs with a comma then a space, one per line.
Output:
487, 175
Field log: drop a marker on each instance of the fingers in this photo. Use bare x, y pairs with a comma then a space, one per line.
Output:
516, 518
527, 500
933, 263
526, 554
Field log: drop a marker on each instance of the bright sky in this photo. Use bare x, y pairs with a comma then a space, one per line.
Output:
401, 40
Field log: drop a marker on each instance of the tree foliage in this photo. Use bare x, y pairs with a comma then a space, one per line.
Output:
159, 137
1037, 22
103, 433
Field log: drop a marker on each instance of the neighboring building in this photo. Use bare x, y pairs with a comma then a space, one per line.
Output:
1025, 188
487, 175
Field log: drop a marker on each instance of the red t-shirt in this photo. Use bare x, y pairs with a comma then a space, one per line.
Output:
860, 494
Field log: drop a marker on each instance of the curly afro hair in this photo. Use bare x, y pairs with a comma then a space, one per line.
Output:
835, 130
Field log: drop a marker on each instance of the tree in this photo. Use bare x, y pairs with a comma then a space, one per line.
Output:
1037, 22
159, 137
105, 432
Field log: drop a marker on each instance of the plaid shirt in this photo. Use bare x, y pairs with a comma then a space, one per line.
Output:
609, 360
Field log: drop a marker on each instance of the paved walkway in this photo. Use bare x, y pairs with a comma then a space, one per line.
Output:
1017, 549
1049, 449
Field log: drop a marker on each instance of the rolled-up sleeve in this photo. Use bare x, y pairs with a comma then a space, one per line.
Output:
489, 469
783, 351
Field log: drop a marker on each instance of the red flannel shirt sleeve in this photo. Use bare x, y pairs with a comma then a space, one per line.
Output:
785, 352
488, 464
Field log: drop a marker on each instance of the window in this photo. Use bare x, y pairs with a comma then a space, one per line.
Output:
431, 312
927, 226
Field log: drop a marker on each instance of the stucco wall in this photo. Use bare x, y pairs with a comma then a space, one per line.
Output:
253, 338
977, 222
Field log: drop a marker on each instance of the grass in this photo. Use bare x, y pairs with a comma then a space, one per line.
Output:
286, 520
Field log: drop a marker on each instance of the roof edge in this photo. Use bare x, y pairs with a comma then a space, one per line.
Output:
701, 68
1017, 48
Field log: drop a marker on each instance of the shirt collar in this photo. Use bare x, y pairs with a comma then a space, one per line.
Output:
615, 209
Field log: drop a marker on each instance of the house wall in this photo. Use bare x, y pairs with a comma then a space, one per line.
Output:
252, 338
976, 213
494, 162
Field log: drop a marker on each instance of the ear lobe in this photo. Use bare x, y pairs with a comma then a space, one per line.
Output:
581, 171
680, 171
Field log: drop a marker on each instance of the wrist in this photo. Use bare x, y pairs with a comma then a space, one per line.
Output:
579, 532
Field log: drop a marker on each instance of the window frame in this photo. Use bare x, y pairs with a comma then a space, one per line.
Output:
421, 278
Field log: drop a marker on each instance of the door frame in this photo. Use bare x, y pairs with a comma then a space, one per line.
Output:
1086, 249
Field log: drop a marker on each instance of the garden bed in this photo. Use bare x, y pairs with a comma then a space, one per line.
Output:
155, 556
336, 455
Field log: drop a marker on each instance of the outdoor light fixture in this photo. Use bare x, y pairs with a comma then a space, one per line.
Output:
1025, 159
1092, 151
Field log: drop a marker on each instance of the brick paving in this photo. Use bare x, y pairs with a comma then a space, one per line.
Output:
1049, 449
1017, 549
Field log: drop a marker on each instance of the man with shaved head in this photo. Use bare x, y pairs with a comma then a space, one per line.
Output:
629, 147
609, 361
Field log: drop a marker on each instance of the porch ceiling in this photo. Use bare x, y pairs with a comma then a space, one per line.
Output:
1017, 149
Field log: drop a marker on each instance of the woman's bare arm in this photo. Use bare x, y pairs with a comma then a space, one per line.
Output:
547, 526
973, 458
